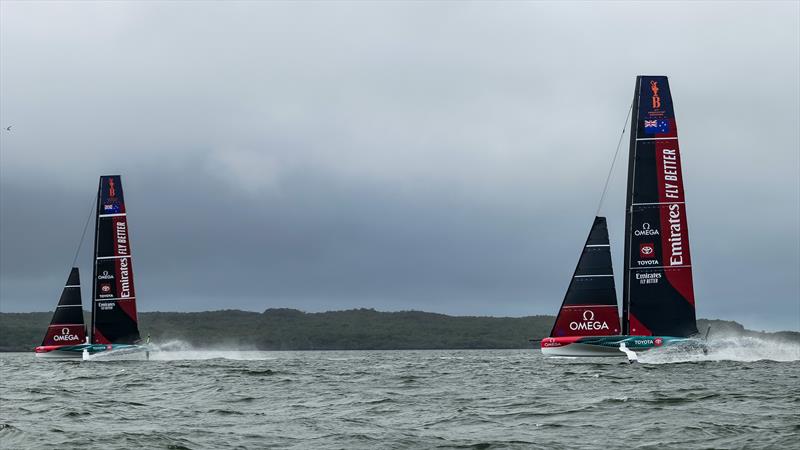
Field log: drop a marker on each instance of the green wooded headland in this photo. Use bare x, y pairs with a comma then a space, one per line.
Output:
357, 329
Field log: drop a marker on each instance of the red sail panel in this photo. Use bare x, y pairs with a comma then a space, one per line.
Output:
587, 320
114, 317
67, 334
658, 296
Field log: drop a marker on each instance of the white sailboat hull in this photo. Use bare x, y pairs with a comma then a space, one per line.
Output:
59, 355
583, 351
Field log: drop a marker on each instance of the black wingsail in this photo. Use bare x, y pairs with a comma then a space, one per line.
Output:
658, 294
67, 327
590, 305
114, 318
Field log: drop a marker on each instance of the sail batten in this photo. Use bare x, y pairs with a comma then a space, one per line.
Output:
658, 296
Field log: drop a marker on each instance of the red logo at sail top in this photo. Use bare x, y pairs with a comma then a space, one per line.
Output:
656, 98
111, 203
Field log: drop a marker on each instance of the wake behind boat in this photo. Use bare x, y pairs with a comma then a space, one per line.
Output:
658, 296
115, 329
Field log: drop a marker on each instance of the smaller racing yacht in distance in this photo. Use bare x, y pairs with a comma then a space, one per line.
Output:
66, 335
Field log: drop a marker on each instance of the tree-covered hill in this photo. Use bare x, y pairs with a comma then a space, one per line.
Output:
358, 329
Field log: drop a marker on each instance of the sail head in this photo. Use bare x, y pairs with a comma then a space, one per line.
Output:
590, 304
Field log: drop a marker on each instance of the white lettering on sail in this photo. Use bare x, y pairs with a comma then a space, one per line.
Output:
670, 159
122, 238
648, 278
645, 231
124, 279
675, 235
671, 176
588, 323
66, 335
575, 326
106, 306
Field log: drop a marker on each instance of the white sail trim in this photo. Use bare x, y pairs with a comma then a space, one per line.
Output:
588, 306
588, 276
68, 306
112, 215
113, 299
660, 267
72, 285
113, 257
658, 139
657, 203
599, 245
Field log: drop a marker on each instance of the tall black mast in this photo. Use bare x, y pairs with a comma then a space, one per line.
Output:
628, 208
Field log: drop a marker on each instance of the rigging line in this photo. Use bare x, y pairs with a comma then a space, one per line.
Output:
85, 226
614, 160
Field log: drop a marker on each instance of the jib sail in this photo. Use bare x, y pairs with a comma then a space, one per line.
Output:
66, 327
114, 319
658, 297
590, 305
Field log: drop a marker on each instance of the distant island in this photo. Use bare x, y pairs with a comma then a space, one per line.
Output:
356, 329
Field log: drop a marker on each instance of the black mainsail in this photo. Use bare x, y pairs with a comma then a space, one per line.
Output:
590, 304
66, 326
114, 318
658, 294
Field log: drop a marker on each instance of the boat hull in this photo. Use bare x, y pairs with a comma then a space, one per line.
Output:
609, 346
59, 352
76, 352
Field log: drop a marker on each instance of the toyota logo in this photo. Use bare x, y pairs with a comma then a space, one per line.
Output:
647, 250
588, 315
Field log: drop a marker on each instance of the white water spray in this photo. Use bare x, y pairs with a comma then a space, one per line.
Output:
177, 350
730, 348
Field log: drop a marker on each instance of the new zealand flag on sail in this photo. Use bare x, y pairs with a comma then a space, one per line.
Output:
656, 126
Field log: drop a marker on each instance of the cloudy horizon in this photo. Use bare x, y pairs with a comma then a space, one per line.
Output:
429, 156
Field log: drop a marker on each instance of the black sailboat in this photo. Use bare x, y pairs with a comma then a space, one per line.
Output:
114, 325
658, 296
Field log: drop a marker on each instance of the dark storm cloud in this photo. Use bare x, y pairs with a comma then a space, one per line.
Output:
398, 156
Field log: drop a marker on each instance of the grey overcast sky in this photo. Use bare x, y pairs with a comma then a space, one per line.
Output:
446, 157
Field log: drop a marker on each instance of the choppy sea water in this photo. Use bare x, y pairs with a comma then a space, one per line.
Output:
742, 395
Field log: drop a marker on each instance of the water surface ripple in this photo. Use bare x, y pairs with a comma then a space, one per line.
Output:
396, 399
